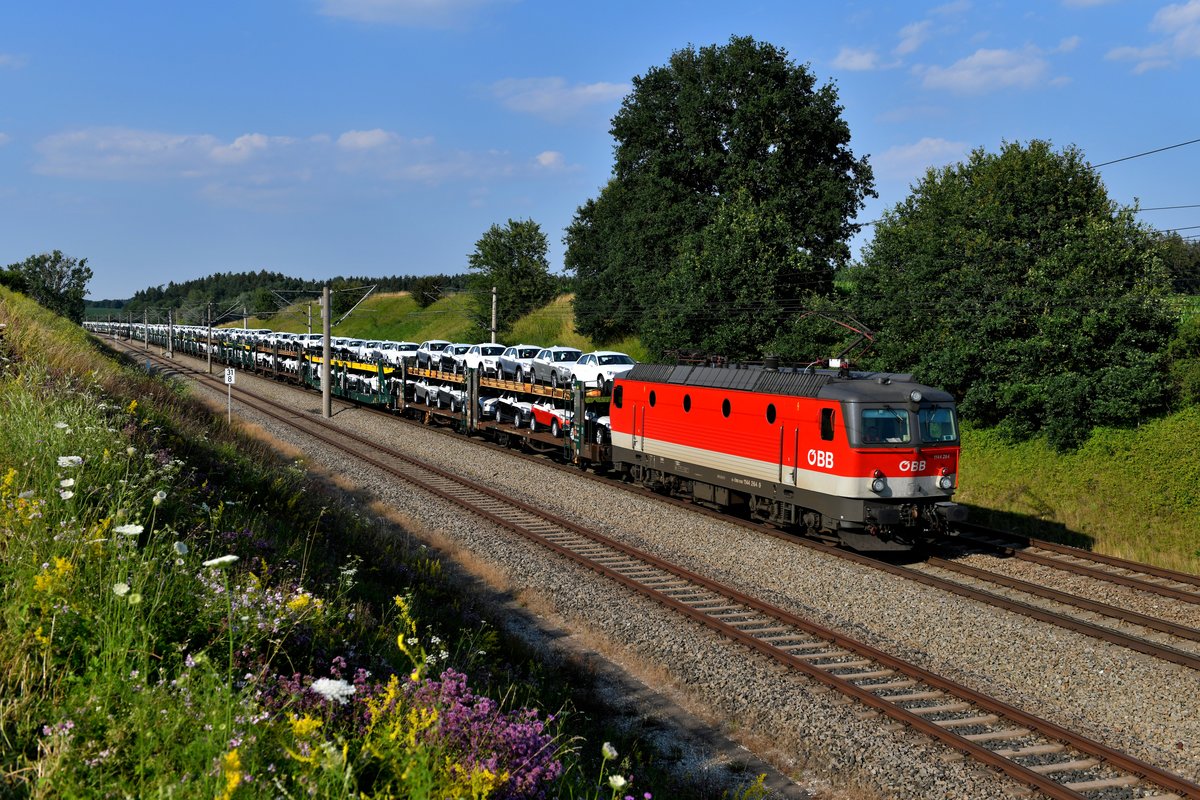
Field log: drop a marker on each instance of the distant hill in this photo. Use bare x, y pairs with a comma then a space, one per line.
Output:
233, 294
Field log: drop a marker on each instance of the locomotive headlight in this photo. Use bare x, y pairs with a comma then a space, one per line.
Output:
879, 483
945, 482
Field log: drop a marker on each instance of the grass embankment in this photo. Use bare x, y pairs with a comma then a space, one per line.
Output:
185, 615
1128, 493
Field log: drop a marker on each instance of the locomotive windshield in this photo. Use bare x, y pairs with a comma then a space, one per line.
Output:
885, 425
937, 425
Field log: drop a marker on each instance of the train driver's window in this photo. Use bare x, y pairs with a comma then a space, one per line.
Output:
827, 417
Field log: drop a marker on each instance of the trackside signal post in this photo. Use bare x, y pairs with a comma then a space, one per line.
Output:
229, 378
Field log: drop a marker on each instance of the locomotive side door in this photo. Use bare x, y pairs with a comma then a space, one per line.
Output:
789, 454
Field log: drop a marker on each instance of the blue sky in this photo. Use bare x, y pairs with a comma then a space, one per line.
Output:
165, 140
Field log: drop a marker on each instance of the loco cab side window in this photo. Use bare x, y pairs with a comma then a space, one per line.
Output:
828, 415
884, 426
937, 425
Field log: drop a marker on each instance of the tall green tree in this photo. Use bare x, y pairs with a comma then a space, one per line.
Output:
1014, 282
713, 133
513, 259
56, 281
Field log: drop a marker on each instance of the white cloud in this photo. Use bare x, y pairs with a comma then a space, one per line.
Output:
12, 61
550, 159
262, 172
367, 140
1179, 25
912, 37
1068, 44
416, 13
987, 70
911, 160
856, 60
552, 98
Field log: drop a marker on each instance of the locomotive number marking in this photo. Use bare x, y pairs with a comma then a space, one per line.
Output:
912, 466
820, 458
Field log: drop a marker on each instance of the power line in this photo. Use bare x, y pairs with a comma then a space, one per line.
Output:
1166, 208
1147, 153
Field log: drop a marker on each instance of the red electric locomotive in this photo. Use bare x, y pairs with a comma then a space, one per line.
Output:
870, 460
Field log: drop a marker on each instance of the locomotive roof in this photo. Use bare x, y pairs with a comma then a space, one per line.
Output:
826, 384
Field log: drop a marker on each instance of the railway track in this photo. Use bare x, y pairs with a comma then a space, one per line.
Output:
1180, 586
1033, 751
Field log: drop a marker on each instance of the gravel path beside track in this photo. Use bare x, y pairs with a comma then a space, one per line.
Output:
1126, 699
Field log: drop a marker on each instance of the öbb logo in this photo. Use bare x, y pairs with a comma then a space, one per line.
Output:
912, 466
820, 458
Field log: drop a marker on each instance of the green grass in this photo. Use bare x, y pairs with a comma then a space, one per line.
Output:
1129, 493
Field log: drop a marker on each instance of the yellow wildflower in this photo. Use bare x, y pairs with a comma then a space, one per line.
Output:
231, 768
299, 602
303, 727
132, 409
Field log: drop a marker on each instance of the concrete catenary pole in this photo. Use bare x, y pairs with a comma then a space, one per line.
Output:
145, 329
209, 347
326, 353
170, 334
493, 315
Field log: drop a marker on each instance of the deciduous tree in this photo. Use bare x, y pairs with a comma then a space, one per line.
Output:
513, 259
1016, 283
715, 133
56, 281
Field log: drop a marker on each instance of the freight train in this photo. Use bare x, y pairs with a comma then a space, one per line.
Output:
869, 460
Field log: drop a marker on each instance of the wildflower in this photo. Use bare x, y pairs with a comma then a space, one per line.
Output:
617, 782
159, 496
333, 690
132, 406
231, 767
66, 494
608, 751
181, 548
128, 530
129, 451
67, 483
70, 461
220, 561
135, 598
304, 726
60, 425
299, 602
121, 589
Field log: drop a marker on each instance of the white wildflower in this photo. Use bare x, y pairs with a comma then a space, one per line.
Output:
159, 496
181, 548
608, 751
220, 561
67, 483
70, 461
121, 589
66, 494
130, 451
333, 690
60, 425
617, 782
128, 530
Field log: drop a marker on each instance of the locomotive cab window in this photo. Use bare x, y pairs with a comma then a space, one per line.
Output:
770, 413
827, 418
618, 396
937, 425
885, 426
